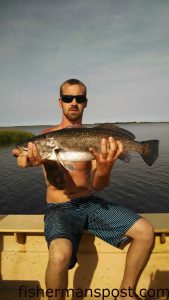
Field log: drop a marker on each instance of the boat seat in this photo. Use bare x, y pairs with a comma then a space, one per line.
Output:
21, 225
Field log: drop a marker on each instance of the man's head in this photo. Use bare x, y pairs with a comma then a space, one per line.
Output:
73, 82
73, 107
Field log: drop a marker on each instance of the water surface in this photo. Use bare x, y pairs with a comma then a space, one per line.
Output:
135, 185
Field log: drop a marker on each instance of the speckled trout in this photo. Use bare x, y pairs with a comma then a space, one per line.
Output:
73, 143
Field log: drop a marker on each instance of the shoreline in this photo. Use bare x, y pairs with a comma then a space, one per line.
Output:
48, 125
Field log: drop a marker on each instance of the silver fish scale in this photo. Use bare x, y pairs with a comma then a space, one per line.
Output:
81, 139
94, 132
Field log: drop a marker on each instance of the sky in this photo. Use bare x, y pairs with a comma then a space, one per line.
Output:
118, 48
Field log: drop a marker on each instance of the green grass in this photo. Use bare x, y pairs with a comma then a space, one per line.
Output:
9, 137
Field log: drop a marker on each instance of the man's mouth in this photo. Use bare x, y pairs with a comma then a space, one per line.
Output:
74, 109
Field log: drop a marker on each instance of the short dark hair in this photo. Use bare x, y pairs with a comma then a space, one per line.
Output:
73, 81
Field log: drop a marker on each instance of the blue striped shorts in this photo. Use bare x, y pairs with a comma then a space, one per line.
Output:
98, 216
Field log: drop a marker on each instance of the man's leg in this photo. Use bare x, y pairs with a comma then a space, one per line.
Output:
60, 251
139, 251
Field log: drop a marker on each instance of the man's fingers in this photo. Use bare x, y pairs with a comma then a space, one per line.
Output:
120, 147
116, 148
36, 155
22, 160
104, 148
111, 154
30, 153
112, 149
27, 158
93, 152
33, 155
113, 145
15, 152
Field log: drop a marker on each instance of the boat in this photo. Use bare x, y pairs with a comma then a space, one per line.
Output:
24, 256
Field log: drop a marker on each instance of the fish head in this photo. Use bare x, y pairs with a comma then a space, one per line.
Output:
48, 148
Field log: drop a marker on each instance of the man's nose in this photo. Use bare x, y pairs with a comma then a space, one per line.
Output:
74, 101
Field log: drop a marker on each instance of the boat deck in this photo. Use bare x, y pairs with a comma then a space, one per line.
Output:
24, 256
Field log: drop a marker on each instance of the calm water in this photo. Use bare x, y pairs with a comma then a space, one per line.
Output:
135, 185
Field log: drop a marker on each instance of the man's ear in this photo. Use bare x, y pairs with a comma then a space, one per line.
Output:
59, 102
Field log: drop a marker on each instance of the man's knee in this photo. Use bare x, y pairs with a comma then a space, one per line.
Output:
142, 230
60, 252
147, 232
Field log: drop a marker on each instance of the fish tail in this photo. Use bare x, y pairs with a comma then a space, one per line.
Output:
150, 150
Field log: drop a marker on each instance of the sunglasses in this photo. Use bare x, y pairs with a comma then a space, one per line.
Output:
69, 98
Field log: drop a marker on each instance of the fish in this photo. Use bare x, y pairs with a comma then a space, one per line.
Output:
72, 144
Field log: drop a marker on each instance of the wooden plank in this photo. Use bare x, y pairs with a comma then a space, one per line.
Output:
160, 221
35, 223
22, 223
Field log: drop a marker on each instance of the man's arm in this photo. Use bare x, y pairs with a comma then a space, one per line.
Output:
104, 162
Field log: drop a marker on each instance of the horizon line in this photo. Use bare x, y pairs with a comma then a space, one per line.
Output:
119, 122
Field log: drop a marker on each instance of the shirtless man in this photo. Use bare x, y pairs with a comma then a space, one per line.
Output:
73, 209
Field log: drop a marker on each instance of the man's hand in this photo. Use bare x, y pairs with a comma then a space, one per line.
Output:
107, 157
110, 151
29, 158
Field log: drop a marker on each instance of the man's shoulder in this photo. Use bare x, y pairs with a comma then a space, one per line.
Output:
53, 128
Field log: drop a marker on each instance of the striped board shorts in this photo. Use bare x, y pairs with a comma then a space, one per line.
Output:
101, 218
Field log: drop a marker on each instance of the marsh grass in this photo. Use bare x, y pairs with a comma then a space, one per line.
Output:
13, 136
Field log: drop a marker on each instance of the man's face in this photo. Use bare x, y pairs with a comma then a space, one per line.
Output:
73, 111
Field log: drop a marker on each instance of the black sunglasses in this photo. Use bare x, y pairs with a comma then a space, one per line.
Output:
69, 98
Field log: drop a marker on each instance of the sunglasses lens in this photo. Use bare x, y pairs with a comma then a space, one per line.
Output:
80, 98
69, 98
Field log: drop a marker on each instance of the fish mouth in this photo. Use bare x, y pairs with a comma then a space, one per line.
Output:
23, 148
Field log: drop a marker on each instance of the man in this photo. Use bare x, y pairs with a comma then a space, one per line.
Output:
72, 208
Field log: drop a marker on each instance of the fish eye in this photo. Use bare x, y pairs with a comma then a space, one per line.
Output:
50, 142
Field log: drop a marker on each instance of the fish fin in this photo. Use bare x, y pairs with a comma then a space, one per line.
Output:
68, 165
117, 129
150, 151
55, 173
125, 156
107, 125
